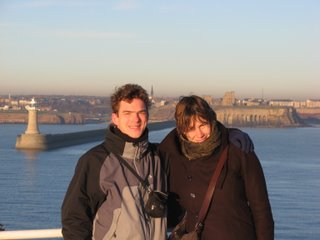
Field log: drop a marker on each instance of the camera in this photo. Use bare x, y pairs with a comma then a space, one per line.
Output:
156, 204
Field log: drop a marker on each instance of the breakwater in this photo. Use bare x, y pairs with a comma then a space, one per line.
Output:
52, 141
43, 117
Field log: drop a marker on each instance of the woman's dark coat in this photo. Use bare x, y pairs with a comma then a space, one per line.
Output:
240, 207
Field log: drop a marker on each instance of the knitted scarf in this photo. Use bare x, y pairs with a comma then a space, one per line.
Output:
193, 150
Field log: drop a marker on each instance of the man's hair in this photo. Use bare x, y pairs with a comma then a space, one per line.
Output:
191, 108
127, 93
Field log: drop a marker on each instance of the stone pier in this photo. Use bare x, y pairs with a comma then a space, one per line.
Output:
45, 142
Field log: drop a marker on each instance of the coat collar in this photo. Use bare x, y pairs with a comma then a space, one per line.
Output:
118, 144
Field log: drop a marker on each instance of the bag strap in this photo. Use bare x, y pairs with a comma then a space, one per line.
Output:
144, 183
209, 194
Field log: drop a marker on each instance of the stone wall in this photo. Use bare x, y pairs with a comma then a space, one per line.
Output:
258, 117
309, 115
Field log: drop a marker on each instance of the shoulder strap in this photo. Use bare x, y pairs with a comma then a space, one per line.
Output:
154, 148
209, 194
144, 183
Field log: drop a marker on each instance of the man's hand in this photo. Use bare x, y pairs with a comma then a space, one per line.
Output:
241, 139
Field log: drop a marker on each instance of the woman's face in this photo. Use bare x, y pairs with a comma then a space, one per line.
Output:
198, 130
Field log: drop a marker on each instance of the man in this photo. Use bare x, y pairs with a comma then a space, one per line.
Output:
104, 199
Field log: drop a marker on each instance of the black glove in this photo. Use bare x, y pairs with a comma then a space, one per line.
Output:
241, 139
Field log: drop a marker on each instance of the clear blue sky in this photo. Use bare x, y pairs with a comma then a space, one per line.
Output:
89, 47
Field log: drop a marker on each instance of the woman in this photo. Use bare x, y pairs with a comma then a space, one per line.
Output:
240, 208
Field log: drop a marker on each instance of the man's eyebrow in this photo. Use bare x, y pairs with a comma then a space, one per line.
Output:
129, 111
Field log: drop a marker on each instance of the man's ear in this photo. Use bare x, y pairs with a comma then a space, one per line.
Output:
114, 118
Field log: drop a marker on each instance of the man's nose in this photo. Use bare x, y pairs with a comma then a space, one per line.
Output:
136, 117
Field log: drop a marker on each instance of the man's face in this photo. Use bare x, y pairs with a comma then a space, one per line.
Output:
132, 117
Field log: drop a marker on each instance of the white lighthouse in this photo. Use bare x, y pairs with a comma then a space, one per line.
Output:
32, 138
32, 127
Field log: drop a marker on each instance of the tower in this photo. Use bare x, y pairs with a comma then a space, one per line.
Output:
228, 99
32, 127
151, 94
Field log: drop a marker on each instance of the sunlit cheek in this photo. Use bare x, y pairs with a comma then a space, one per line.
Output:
190, 135
144, 118
207, 132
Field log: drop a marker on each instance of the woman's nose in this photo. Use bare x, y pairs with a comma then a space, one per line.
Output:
199, 132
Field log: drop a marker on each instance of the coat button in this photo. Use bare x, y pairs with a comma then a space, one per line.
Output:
192, 195
189, 178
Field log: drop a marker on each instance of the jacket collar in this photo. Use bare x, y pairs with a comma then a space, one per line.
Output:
121, 145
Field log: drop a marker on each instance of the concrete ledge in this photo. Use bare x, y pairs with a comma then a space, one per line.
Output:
52, 141
31, 234
31, 141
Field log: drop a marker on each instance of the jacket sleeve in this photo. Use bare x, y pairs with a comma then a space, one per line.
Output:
257, 195
81, 201
175, 211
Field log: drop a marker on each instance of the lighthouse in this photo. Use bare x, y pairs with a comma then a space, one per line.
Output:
32, 138
32, 127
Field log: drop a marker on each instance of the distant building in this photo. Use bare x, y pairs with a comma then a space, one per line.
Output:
312, 103
14, 103
229, 99
163, 102
251, 102
299, 104
281, 103
296, 104
5, 108
23, 102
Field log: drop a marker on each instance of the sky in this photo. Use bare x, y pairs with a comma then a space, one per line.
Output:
268, 49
